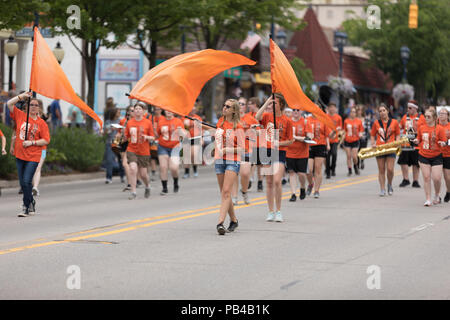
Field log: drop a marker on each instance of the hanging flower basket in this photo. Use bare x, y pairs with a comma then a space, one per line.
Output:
343, 86
403, 91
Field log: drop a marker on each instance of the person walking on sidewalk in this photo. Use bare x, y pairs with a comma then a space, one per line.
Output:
31, 137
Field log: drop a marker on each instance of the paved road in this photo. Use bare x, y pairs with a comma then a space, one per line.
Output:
89, 236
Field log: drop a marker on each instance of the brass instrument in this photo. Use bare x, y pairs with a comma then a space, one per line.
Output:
381, 150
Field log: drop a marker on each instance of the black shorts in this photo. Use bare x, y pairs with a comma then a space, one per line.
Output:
446, 161
352, 145
410, 158
263, 156
436, 161
297, 165
319, 151
389, 155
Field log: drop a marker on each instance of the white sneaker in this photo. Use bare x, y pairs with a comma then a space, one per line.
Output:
427, 203
235, 201
245, 197
382, 193
278, 216
35, 192
270, 216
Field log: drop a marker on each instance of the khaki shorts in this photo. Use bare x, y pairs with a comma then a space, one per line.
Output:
142, 161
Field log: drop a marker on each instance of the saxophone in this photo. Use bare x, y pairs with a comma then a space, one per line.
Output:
381, 150
117, 145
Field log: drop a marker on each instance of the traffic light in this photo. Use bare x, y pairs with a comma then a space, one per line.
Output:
413, 15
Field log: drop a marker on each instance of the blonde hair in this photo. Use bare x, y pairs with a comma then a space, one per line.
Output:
236, 114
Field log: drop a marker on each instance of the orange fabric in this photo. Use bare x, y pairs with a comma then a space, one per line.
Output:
134, 133
175, 84
37, 129
298, 149
1, 133
285, 81
246, 121
446, 149
48, 78
228, 137
284, 125
352, 129
168, 136
428, 140
392, 132
337, 120
319, 130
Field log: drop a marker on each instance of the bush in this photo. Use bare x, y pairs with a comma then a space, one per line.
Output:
8, 168
77, 148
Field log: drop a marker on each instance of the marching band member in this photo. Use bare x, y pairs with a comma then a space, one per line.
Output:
409, 124
334, 142
444, 121
385, 130
431, 137
354, 130
297, 154
229, 144
275, 145
31, 138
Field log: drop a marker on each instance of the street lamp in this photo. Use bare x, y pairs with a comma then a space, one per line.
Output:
11, 49
340, 41
183, 40
404, 54
59, 52
281, 39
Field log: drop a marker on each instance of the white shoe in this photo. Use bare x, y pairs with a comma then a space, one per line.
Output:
245, 197
35, 192
235, 201
278, 217
270, 217
427, 203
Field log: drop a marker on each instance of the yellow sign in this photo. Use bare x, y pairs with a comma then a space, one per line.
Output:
263, 78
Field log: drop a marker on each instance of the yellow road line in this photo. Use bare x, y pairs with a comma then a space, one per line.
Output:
172, 217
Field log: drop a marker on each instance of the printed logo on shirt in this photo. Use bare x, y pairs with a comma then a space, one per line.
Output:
32, 130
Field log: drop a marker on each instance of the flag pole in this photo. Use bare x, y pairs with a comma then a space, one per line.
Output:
273, 94
35, 25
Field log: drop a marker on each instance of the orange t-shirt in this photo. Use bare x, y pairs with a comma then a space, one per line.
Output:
337, 120
228, 137
168, 133
428, 140
284, 125
298, 149
319, 130
352, 129
1, 133
247, 121
390, 133
134, 133
446, 149
37, 129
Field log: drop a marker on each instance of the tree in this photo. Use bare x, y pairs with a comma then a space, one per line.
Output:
160, 23
15, 14
217, 21
102, 23
428, 66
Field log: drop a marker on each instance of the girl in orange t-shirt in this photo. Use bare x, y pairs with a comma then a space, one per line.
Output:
276, 166
31, 138
389, 132
196, 141
431, 138
318, 154
444, 121
169, 130
229, 145
354, 130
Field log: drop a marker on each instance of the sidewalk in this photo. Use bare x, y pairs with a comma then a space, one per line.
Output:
6, 184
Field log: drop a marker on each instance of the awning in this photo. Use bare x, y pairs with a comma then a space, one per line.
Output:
263, 78
251, 41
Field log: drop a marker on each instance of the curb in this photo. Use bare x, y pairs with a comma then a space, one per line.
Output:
58, 178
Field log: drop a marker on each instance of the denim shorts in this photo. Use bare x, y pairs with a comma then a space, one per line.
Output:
222, 165
174, 152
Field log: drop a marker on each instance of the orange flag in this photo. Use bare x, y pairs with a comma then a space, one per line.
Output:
175, 84
285, 81
48, 78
